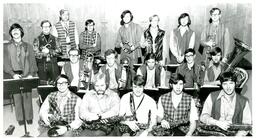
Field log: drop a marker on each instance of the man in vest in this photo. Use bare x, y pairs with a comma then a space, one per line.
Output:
65, 30
226, 107
215, 69
216, 34
177, 106
112, 70
47, 48
140, 107
74, 68
98, 105
150, 71
60, 106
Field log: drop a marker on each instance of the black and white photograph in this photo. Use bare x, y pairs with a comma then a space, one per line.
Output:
127, 68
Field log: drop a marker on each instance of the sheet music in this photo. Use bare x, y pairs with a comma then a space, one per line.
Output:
21, 79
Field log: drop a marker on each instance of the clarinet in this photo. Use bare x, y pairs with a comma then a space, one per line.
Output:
158, 130
217, 131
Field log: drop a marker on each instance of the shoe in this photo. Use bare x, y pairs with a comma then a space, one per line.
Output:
21, 122
30, 122
10, 130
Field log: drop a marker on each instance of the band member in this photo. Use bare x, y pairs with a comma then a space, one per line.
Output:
190, 70
61, 106
65, 30
47, 48
214, 70
140, 106
19, 62
226, 107
128, 38
181, 38
89, 39
150, 71
216, 34
177, 106
127, 75
99, 104
74, 68
112, 70
154, 39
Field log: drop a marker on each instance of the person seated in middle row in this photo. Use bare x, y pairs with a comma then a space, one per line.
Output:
151, 72
112, 70
191, 71
139, 109
215, 69
74, 67
60, 108
98, 104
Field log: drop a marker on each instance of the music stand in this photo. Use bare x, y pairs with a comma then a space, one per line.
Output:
19, 86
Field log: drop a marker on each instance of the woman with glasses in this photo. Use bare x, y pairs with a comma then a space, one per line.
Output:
89, 40
60, 108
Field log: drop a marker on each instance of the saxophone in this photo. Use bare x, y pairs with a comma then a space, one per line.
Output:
142, 126
214, 130
106, 125
158, 130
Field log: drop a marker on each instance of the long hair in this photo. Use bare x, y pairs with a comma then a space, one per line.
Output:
88, 22
183, 16
62, 12
123, 14
18, 26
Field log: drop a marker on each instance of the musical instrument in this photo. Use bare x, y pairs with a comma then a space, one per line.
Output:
204, 129
158, 130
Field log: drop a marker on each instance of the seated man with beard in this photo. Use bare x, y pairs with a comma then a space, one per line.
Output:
97, 106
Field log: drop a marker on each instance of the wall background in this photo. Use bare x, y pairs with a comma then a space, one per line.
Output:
106, 14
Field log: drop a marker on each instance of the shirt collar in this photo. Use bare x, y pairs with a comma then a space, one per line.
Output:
68, 94
114, 66
222, 94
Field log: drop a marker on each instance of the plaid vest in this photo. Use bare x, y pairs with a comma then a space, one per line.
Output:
62, 35
238, 114
183, 109
68, 114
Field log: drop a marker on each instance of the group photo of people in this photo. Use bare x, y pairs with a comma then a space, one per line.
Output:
96, 69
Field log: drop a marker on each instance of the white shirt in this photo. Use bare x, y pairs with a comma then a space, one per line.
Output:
75, 73
150, 83
142, 112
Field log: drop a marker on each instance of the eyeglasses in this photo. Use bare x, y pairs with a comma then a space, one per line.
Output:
73, 55
61, 84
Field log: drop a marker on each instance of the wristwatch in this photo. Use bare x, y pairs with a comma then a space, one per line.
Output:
68, 127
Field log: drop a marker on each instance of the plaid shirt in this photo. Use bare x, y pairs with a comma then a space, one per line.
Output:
69, 108
182, 110
88, 38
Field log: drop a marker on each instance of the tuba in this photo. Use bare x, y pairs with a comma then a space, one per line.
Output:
240, 50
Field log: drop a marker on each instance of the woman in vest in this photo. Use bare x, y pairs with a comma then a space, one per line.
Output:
153, 40
181, 39
65, 30
61, 106
89, 40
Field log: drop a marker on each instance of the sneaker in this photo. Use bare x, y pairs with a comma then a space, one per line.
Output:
21, 122
30, 122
